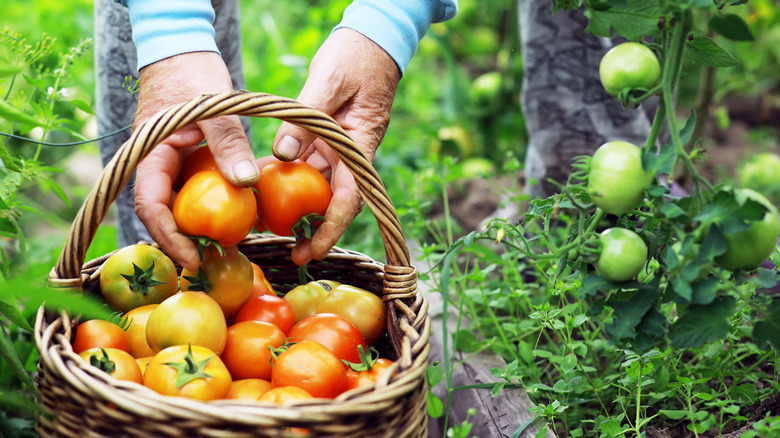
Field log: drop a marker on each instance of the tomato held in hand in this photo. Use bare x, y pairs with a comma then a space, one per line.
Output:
187, 318
334, 332
288, 191
629, 65
358, 306
270, 309
200, 159
247, 352
118, 363
137, 275
305, 298
98, 333
188, 371
209, 206
226, 279
310, 366
616, 180
623, 254
748, 248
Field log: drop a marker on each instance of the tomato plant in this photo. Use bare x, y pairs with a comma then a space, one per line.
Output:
334, 332
623, 254
629, 65
136, 330
187, 318
137, 275
288, 192
309, 365
191, 371
305, 298
749, 247
118, 363
98, 333
209, 206
225, 278
248, 389
247, 352
616, 180
268, 308
359, 306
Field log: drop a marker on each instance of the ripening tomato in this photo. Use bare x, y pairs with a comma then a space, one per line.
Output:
309, 365
360, 307
260, 284
226, 279
268, 308
187, 318
369, 376
248, 389
136, 330
98, 333
334, 332
617, 180
209, 206
117, 363
283, 395
305, 298
288, 191
188, 371
143, 362
137, 275
200, 159
247, 352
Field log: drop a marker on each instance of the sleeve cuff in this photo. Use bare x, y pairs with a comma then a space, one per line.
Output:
162, 29
397, 26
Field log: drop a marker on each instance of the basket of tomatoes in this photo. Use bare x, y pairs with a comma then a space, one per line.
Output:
242, 347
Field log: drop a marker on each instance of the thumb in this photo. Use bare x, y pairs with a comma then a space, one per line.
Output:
231, 150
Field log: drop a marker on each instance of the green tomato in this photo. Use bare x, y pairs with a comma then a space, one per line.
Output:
762, 174
748, 248
616, 181
623, 254
629, 65
137, 275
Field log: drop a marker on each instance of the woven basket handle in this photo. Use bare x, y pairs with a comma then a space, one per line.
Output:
119, 170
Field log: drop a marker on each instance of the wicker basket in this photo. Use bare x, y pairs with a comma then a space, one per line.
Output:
81, 401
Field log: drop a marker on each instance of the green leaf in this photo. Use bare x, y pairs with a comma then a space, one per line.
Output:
11, 357
674, 414
768, 329
9, 307
702, 324
435, 406
7, 159
731, 26
637, 18
703, 50
466, 341
84, 106
12, 114
50, 183
434, 375
565, 5
672, 210
628, 313
704, 291
611, 428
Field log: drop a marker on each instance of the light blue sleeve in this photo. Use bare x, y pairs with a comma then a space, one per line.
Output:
164, 28
397, 26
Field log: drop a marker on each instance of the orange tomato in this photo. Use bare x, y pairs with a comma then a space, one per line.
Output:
247, 353
209, 206
226, 279
284, 395
188, 371
200, 159
309, 365
334, 332
260, 284
143, 362
136, 330
248, 389
98, 333
187, 318
117, 363
269, 309
360, 307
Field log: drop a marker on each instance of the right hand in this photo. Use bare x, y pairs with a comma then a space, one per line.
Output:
166, 83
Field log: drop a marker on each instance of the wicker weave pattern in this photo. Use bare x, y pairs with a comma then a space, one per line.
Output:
82, 401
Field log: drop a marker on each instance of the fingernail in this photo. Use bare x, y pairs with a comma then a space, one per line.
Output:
288, 147
246, 171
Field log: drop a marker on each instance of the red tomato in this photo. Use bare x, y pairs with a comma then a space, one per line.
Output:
269, 309
247, 351
209, 206
248, 389
360, 307
97, 333
228, 280
188, 371
260, 284
200, 159
333, 331
187, 318
309, 365
288, 191
284, 395
118, 363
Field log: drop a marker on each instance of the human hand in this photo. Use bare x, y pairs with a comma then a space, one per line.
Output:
354, 81
166, 83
